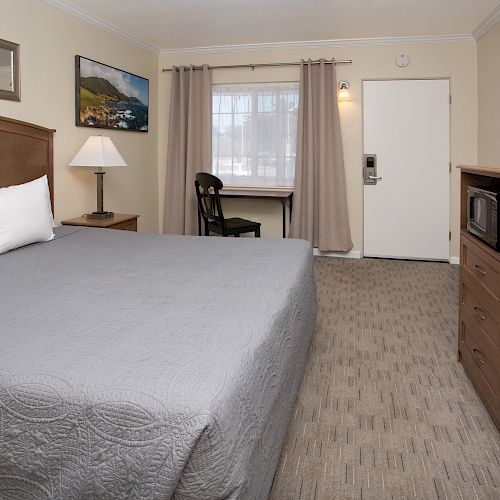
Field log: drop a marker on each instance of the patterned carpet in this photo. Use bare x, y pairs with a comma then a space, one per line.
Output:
385, 411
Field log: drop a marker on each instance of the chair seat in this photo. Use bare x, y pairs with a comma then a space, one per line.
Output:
235, 224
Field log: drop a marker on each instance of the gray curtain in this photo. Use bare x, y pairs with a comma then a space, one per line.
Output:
189, 146
320, 200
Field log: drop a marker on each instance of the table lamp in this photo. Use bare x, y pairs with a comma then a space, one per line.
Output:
98, 152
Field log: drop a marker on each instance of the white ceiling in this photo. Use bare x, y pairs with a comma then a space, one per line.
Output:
174, 24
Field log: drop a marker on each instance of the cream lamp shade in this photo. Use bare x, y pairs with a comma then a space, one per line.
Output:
343, 93
98, 151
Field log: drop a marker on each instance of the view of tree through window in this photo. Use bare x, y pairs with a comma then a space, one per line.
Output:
254, 133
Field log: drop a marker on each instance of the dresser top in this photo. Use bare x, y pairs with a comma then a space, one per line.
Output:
488, 171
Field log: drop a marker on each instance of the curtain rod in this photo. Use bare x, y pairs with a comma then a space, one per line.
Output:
265, 65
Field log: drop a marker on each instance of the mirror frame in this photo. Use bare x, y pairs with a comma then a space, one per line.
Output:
12, 95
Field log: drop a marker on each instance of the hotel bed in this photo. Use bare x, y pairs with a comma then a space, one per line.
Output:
146, 366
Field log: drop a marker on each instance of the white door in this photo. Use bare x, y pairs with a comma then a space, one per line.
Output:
406, 125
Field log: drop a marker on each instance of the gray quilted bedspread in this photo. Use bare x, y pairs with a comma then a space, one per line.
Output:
139, 366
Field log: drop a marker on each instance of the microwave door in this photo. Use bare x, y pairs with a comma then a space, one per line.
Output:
477, 215
478, 208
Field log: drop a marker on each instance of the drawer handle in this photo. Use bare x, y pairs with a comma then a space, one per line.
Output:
479, 356
480, 270
478, 311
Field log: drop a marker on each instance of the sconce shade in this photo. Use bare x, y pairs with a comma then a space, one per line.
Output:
98, 151
343, 93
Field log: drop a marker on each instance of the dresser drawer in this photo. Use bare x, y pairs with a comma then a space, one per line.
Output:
484, 354
481, 266
482, 307
486, 392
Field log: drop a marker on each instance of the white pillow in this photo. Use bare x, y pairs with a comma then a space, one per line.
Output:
25, 214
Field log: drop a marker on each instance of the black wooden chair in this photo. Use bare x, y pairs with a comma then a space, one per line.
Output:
210, 210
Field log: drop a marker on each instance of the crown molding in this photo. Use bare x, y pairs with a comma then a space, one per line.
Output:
98, 23
488, 22
342, 42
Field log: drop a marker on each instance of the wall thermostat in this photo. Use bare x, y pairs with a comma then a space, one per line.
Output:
402, 60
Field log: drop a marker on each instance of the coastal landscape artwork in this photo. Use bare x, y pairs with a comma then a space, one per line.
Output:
107, 97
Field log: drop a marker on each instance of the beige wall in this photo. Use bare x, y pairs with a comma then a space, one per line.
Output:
488, 63
454, 61
49, 40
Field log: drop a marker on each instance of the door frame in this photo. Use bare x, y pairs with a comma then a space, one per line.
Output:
363, 80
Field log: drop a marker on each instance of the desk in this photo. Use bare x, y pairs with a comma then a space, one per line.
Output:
263, 194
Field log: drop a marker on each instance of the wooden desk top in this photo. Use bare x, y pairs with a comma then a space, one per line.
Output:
256, 193
87, 222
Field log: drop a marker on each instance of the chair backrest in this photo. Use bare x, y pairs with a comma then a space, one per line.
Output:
207, 192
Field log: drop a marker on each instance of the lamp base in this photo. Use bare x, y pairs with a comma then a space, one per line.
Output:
99, 215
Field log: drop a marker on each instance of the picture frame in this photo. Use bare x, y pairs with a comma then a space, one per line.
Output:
110, 98
10, 77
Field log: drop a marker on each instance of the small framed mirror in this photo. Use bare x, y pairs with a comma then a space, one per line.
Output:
10, 83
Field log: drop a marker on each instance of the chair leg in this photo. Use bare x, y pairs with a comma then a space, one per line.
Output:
257, 232
207, 232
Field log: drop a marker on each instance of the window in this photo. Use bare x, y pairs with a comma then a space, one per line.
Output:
254, 134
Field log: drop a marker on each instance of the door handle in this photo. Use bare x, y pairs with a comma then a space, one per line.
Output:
477, 311
374, 178
479, 356
480, 270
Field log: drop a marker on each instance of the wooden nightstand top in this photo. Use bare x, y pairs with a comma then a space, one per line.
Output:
116, 220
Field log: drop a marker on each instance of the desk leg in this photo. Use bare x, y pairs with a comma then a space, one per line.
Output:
283, 204
290, 206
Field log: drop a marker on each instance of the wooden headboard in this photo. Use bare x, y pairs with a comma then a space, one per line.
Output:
26, 153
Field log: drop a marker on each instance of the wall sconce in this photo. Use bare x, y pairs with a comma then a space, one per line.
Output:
343, 93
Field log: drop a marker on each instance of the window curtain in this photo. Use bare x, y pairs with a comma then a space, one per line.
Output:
320, 199
254, 130
189, 146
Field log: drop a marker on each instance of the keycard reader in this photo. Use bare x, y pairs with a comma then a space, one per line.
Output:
370, 169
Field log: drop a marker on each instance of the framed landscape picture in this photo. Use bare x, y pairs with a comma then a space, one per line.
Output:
108, 97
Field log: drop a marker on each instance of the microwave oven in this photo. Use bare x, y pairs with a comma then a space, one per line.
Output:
482, 215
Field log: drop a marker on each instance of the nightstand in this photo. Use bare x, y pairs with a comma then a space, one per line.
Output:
125, 222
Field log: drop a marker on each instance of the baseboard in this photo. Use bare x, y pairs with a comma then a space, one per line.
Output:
356, 254
353, 254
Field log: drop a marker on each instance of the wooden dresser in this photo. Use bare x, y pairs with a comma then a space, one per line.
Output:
479, 321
